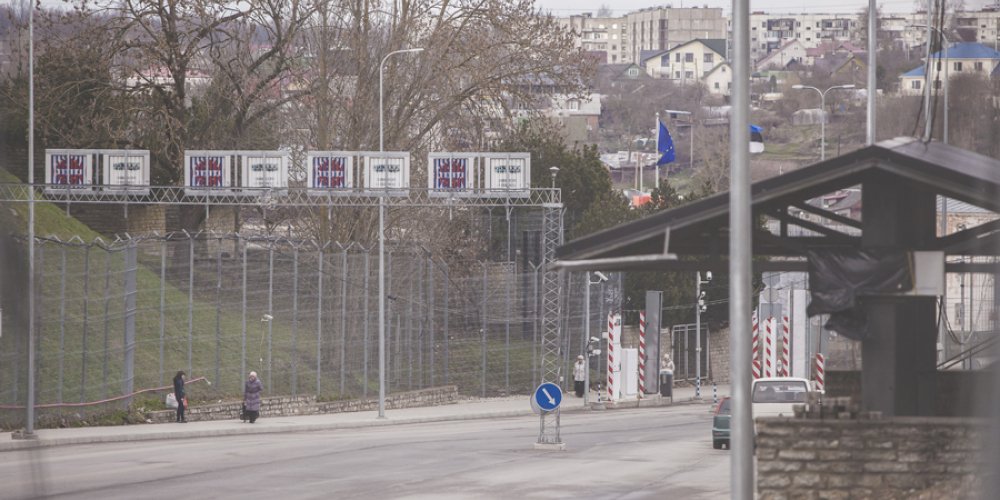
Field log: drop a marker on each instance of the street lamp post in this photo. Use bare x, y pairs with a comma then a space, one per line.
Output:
822, 107
381, 243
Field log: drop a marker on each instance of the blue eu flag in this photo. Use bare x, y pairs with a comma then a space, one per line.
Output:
664, 146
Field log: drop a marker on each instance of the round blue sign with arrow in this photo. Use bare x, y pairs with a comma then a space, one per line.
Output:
547, 397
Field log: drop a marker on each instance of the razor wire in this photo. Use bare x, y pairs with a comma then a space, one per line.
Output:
116, 315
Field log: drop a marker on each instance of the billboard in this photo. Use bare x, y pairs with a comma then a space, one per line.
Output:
67, 169
452, 174
264, 169
207, 173
330, 172
508, 174
387, 171
125, 171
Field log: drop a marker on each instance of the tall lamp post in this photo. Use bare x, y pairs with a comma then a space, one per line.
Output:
381, 244
822, 107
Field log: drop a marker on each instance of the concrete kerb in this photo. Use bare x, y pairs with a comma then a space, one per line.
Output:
279, 427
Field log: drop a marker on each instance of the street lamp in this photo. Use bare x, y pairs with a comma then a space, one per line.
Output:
699, 307
822, 107
381, 245
601, 278
554, 171
927, 99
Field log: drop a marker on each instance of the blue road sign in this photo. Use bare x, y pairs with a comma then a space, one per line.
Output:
548, 396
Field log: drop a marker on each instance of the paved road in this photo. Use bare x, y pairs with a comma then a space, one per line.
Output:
639, 453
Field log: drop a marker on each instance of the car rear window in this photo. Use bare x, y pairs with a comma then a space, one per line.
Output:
724, 407
780, 392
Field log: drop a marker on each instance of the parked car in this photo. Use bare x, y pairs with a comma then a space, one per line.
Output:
720, 424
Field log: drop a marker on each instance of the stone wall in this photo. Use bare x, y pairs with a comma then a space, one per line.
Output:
307, 405
897, 458
116, 219
718, 355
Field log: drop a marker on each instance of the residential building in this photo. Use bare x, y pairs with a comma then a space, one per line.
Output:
962, 58
662, 28
792, 51
687, 62
770, 32
719, 80
599, 34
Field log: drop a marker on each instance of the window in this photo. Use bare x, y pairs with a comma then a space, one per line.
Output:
689, 74
709, 58
915, 85
677, 57
937, 84
979, 66
633, 72
688, 57
957, 66
939, 65
716, 85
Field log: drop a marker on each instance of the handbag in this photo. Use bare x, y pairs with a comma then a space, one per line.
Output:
171, 400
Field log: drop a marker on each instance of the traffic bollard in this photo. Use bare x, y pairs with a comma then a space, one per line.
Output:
715, 393
697, 388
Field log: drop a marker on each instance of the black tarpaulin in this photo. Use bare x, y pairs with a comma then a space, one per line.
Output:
839, 277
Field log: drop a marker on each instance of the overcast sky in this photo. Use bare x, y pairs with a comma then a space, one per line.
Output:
562, 8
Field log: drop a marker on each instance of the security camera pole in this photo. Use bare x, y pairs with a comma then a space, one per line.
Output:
699, 308
586, 330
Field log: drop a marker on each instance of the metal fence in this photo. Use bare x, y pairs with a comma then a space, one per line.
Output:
113, 317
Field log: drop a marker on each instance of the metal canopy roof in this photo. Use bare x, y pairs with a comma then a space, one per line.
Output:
701, 228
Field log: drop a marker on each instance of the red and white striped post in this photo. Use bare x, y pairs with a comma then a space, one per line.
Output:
755, 347
785, 341
820, 372
642, 353
768, 348
611, 356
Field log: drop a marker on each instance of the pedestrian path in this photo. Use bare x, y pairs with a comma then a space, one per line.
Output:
513, 406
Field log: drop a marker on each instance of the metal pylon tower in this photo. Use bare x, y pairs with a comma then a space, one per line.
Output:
551, 366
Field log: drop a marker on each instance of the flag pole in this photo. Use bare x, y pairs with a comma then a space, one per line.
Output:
657, 129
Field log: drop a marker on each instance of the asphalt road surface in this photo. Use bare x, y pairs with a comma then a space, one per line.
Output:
623, 454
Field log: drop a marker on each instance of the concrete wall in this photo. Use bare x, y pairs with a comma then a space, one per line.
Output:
899, 458
955, 390
718, 355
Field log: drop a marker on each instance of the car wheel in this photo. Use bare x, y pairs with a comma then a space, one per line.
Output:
716, 444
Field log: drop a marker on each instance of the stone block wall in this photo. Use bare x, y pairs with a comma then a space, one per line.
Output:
718, 355
896, 458
307, 405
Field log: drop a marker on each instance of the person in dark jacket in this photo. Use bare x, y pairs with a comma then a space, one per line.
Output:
179, 395
251, 397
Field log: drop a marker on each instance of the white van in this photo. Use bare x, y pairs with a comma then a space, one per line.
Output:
773, 397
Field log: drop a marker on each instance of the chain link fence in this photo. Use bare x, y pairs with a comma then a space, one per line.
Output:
118, 316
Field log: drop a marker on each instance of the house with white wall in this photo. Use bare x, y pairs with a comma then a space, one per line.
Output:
962, 59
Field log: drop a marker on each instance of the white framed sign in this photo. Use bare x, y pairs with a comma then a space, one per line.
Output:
387, 171
208, 173
125, 171
452, 174
330, 172
68, 169
508, 174
263, 169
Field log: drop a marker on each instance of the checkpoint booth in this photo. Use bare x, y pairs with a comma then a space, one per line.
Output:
895, 236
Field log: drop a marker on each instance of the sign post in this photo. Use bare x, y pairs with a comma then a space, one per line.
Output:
545, 400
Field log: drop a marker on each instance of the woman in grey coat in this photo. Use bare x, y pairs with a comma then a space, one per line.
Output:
251, 397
